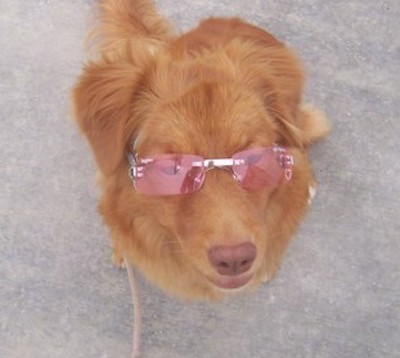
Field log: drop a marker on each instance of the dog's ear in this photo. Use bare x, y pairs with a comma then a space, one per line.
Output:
274, 73
103, 100
281, 106
285, 114
313, 123
299, 125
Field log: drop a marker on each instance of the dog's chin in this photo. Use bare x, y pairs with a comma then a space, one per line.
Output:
230, 283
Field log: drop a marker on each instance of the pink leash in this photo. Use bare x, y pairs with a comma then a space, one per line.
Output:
137, 320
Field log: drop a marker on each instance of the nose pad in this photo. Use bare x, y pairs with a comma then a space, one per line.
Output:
232, 260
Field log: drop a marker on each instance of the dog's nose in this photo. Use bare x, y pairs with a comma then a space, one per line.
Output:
232, 260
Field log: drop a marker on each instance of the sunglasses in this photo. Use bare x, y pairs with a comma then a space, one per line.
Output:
175, 174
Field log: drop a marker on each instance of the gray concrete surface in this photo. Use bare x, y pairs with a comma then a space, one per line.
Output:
338, 292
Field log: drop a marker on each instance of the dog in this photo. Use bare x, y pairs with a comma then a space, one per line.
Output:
201, 144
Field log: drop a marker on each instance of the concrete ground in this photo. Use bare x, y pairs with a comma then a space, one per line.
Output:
338, 291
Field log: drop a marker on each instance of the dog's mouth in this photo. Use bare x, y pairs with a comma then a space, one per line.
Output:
231, 282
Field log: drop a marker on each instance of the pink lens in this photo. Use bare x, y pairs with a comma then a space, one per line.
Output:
170, 174
260, 167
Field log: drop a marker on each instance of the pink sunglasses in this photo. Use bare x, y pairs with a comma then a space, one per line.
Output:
174, 174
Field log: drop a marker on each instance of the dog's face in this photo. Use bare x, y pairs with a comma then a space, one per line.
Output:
223, 236
213, 120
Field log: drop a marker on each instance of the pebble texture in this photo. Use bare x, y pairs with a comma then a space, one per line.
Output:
337, 293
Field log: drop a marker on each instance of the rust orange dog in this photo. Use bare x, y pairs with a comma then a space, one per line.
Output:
201, 142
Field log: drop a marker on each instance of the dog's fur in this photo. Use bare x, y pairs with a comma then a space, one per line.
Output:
221, 88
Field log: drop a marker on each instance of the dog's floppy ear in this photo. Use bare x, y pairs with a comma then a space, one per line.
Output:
274, 73
103, 106
285, 116
281, 106
313, 123
299, 125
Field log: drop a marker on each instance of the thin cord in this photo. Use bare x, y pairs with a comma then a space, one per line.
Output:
137, 319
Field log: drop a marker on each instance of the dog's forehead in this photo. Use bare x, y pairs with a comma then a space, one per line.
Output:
211, 119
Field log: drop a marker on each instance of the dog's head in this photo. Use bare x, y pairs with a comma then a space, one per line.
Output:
224, 234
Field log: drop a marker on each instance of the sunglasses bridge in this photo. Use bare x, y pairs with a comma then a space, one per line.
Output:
224, 163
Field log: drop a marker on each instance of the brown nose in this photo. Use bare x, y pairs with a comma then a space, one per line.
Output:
232, 260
